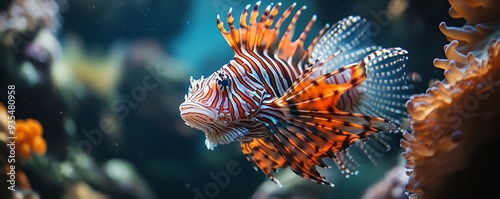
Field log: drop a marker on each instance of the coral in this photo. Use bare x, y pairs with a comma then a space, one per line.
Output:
29, 139
456, 120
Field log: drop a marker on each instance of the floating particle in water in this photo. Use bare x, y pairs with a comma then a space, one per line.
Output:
415, 77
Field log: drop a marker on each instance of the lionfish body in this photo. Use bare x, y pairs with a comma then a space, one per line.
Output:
291, 106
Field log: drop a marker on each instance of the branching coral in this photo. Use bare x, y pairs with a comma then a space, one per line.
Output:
456, 118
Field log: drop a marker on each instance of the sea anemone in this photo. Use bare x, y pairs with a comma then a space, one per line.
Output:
456, 120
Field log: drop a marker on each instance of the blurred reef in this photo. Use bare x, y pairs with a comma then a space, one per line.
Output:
98, 85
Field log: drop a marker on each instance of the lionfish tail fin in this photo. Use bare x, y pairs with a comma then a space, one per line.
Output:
262, 34
387, 87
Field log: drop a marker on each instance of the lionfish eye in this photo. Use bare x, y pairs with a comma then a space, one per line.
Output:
223, 81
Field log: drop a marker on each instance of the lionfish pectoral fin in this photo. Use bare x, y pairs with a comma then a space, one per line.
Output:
297, 148
262, 154
387, 88
313, 128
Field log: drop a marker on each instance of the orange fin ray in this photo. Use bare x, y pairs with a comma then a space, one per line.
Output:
302, 156
387, 88
262, 154
312, 128
336, 120
304, 146
260, 34
308, 90
312, 99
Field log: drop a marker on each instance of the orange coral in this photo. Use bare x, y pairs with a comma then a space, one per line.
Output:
454, 119
29, 139
29, 135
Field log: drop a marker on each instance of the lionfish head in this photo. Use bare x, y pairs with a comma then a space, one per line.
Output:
219, 110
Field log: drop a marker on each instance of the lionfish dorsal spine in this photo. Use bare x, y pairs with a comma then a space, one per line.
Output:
262, 34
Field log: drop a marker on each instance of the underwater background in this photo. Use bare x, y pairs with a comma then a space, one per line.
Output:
104, 79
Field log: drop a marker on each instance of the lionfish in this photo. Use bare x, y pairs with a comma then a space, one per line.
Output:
292, 107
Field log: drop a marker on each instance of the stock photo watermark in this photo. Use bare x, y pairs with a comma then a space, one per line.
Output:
138, 94
220, 180
120, 106
471, 103
382, 19
11, 137
223, 6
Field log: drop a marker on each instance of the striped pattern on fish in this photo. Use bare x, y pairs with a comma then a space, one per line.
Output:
291, 106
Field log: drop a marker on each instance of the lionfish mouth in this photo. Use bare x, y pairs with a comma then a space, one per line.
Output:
197, 116
202, 118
